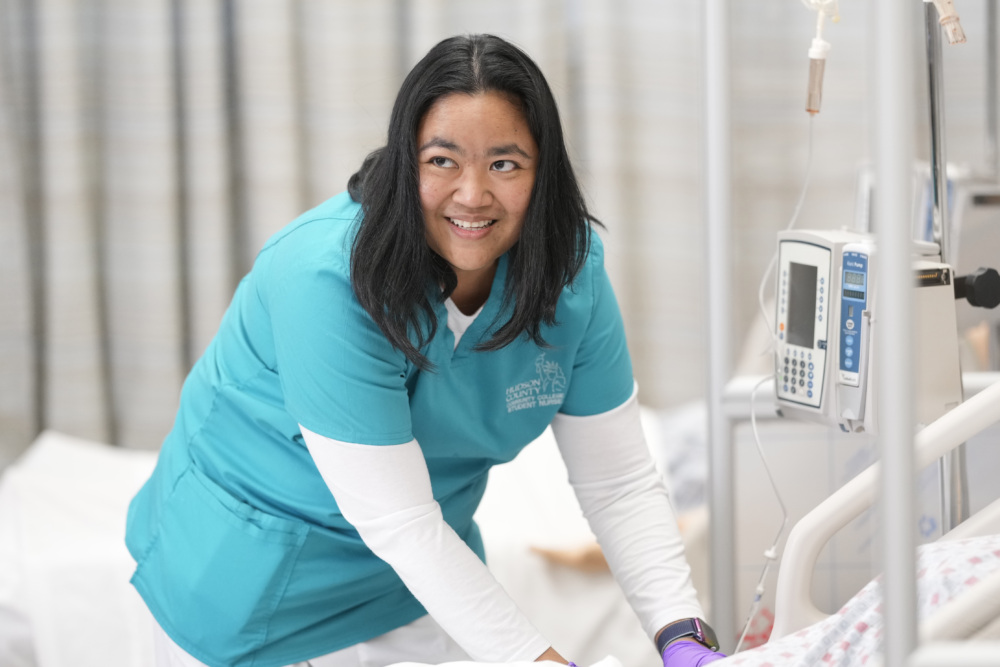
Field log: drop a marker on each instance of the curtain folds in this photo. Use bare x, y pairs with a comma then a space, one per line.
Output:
149, 147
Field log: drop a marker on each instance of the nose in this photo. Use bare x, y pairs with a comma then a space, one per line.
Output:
473, 189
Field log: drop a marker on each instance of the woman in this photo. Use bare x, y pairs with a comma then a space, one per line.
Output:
315, 495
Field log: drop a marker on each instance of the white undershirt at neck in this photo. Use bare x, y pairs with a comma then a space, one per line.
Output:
458, 321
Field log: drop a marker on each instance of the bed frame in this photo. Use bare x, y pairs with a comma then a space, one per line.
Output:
975, 613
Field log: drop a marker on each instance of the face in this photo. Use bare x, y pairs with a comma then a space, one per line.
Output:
477, 167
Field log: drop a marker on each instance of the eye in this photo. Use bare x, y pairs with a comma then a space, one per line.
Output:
441, 161
504, 165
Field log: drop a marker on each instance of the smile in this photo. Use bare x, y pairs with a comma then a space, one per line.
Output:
465, 224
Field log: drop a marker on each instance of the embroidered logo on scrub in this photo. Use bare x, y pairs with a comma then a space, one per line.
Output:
547, 388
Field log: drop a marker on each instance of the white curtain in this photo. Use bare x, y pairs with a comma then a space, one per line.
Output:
149, 147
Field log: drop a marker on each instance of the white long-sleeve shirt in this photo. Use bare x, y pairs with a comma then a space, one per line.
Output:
385, 492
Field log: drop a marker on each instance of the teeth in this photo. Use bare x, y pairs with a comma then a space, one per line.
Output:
471, 225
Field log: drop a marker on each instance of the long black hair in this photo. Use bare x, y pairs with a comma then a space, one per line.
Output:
393, 270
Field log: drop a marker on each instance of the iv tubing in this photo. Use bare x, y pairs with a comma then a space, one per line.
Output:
771, 554
791, 223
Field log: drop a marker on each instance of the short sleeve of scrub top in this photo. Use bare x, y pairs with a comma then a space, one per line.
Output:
339, 375
602, 370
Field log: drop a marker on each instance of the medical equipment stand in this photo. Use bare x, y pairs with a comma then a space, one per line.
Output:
893, 124
992, 115
954, 477
722, 559
894, 120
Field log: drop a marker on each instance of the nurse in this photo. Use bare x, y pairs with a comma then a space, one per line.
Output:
313, 502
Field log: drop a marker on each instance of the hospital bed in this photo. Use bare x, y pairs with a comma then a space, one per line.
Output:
958, 576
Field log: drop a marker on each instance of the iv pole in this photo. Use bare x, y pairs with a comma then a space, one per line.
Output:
954, 477
722, 560
893, 122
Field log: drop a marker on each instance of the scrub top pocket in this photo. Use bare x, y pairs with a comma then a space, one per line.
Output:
217, 569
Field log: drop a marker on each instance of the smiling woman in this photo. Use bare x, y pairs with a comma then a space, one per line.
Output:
315, 498
391, 263
477, 169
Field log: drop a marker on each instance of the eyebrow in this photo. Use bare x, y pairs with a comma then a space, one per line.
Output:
506, 149
441, 143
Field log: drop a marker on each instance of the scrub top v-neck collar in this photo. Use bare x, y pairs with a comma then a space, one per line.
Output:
458, 321
481, 327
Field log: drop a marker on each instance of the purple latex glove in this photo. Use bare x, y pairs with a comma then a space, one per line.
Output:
689, 654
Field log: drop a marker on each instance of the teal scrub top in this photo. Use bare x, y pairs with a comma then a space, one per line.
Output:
242, 554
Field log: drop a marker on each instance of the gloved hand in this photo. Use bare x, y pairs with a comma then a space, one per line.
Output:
689, 654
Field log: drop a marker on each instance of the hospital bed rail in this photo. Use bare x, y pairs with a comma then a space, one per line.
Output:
949, 654
794, 607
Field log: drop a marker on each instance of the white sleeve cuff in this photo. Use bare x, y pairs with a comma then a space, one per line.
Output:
385, 493
626, 504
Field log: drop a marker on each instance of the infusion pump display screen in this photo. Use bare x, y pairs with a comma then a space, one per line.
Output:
852, 278
801, 324
801, 304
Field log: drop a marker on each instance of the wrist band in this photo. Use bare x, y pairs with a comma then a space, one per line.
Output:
695, 628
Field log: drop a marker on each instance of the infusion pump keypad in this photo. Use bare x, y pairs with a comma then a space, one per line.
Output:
798, 375
801, 325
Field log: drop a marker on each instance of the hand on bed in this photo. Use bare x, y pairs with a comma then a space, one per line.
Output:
689, 654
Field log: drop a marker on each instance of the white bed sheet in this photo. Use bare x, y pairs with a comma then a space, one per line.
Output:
64, 568
608, 661
65, 600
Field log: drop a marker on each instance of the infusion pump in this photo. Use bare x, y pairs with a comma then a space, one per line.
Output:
826, 310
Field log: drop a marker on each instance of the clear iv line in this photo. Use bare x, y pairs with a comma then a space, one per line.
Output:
795, 217
771, 554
